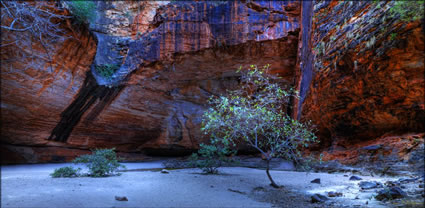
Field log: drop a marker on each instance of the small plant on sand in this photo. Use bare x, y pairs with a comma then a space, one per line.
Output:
254, 114
101, 163
211, 156
65, 172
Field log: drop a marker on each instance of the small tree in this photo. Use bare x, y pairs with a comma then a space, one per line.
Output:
254, 114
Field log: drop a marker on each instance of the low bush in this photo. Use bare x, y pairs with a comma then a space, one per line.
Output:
211, 157
66, 172
101, 163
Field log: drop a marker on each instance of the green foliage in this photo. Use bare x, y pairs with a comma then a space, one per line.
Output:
253, 114
393, 36
65, 172
101, 163
211, 157
107, 70
408, 10
83, 11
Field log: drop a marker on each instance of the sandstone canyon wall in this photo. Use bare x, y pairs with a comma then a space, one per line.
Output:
173, 55
177, 55
367, 92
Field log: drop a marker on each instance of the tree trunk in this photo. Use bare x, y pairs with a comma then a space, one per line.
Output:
272, 183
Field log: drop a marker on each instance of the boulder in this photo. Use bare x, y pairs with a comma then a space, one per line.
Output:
390, 193
318, 198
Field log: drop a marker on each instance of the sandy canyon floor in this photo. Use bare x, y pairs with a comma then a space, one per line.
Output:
145, 186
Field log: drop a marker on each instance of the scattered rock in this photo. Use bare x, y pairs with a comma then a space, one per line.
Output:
318, 198
164, 171
345, 175
419, 191
370, 184
355, 178
392, 183
390, 193
334, 194
407, 180
121, 198
421, 185
317, 180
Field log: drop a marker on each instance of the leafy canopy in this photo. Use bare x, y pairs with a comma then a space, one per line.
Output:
255, 114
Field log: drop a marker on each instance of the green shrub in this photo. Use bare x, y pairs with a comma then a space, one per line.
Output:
65, 172
106, 70
83, 11
211, 157
101, 163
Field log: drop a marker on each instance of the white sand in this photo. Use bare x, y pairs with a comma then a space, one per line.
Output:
31, 186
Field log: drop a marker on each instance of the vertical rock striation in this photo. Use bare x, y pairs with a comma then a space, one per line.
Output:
171, 57
369, 76
140, 79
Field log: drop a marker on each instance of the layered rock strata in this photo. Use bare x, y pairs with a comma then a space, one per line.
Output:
187, 52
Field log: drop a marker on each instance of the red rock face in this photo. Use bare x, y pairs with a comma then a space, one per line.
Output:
158, 110
32, 99
369, 79
366, 84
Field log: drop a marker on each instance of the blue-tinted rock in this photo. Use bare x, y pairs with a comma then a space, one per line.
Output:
318, 198
390, 193
355, 178
317, 180
369, 184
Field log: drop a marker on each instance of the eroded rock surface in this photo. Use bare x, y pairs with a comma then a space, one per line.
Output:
360, 83
178, 55
368, 83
